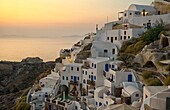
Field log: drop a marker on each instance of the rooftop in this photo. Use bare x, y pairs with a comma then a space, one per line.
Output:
98, 59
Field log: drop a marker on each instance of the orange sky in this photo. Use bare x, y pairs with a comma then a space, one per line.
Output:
18, 16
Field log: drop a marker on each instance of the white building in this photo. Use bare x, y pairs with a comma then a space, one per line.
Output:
158, 101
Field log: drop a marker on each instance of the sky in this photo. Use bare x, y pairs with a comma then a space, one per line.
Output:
58, 17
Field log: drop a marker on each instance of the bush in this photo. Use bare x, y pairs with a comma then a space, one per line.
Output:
153, 33
167, 81
147, 74
154, 82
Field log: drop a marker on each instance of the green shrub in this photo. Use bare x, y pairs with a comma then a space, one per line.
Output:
167, 81
152, 34
23, 106
147, 74
154, 82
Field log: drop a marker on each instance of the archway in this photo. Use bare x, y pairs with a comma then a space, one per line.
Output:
150, 64
164, 42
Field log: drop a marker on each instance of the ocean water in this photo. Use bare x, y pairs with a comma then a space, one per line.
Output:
47, 48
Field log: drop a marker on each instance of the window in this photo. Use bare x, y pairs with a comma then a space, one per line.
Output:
96, 103
100, 104
94, 65
115, 38
77, 78
86, 72
130, 13
113, 51
121, 37
63, 77
125, 14
77, 68
137, 95
71, 68
89, 76
124, 37
111, 39
106, 102
94, 77
83, 71
84, 81
67, 78
71, 77
91, 72
107, 38
128, 37
76, 107
124, 32
105, 51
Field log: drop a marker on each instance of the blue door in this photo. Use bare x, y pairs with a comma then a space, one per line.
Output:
106, 67
91, 77
129, 78
75, 78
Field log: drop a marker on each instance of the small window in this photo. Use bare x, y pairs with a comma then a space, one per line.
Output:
125, 14
77, 78
63, 77
91, 72
128, 37
130, 13
94, 65
113, 51
105, 51
86, 72
89, 76
124, 32
83, 71
100, 104
121, 37
76, 107
71, 77
111, 39
71, 68
107, 38
106, 102
124, 37
84, 81
137, 95
115, 38
77, 68
96, 103
67, 78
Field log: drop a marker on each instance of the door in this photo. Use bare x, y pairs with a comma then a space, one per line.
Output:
129, 78
75, 78
91, 77
106, 67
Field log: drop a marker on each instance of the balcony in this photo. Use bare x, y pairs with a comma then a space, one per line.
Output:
74, 82
91, 82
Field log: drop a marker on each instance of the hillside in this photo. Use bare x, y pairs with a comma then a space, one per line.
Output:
15, 77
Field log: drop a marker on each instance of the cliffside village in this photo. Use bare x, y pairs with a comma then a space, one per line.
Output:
99, 82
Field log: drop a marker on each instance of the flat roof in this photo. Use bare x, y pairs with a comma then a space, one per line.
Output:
75, 64
98, 59
155, 89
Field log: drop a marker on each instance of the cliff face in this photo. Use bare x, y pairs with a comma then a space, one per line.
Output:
17, 76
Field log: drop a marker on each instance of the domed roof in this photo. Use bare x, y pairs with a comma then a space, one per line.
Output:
131, 89
136, 7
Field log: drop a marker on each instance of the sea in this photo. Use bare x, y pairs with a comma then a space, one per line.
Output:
47, 48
